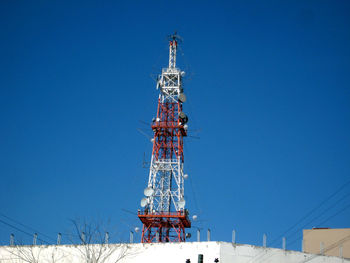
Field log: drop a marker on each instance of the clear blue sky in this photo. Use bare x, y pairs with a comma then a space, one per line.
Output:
268, 86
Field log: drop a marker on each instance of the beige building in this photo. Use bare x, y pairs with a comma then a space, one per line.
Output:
327, 241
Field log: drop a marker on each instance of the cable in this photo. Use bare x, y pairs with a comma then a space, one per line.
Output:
307, 215
28, 227
331, 246
155, 66
330, 217
324, 221
317, 216
193, 120
310, 212
194, 195
20, 230
335, 214
187, 65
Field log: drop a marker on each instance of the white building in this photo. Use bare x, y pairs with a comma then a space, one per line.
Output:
159, 253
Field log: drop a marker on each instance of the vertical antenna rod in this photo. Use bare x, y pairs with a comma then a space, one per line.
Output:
172, 51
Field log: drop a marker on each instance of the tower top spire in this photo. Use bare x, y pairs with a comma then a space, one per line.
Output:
174, 39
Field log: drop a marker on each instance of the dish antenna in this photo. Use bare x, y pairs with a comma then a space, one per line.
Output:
182, 97
194, 217
182, 203
148, 191
185, 176
144, 202
183, 117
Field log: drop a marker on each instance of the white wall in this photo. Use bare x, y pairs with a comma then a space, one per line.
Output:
251, 254
163, 253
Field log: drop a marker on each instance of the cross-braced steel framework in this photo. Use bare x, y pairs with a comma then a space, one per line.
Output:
164, 216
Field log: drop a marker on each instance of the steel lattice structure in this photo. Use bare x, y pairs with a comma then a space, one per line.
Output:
164, 216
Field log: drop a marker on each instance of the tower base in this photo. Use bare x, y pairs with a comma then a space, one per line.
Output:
164, 226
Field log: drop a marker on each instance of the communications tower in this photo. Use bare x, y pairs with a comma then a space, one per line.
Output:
163, 213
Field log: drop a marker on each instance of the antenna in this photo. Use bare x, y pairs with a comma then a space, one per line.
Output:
176, 37
164, 217
182, 203
144, 163
148, 191
144, 202
12, 240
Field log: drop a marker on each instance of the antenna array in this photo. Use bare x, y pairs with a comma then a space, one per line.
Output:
164, 216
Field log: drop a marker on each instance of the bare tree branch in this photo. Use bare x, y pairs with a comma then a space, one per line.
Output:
94, 248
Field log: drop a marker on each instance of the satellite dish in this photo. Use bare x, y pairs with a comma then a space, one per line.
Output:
183, 117
194, 217
186, 127
144, 202
182, 97
181, 203
136, 229
185, 176
148, 191
188, 235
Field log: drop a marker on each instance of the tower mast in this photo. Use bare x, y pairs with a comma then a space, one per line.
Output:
164, 216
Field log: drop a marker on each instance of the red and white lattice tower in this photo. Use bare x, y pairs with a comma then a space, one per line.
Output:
164, 216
